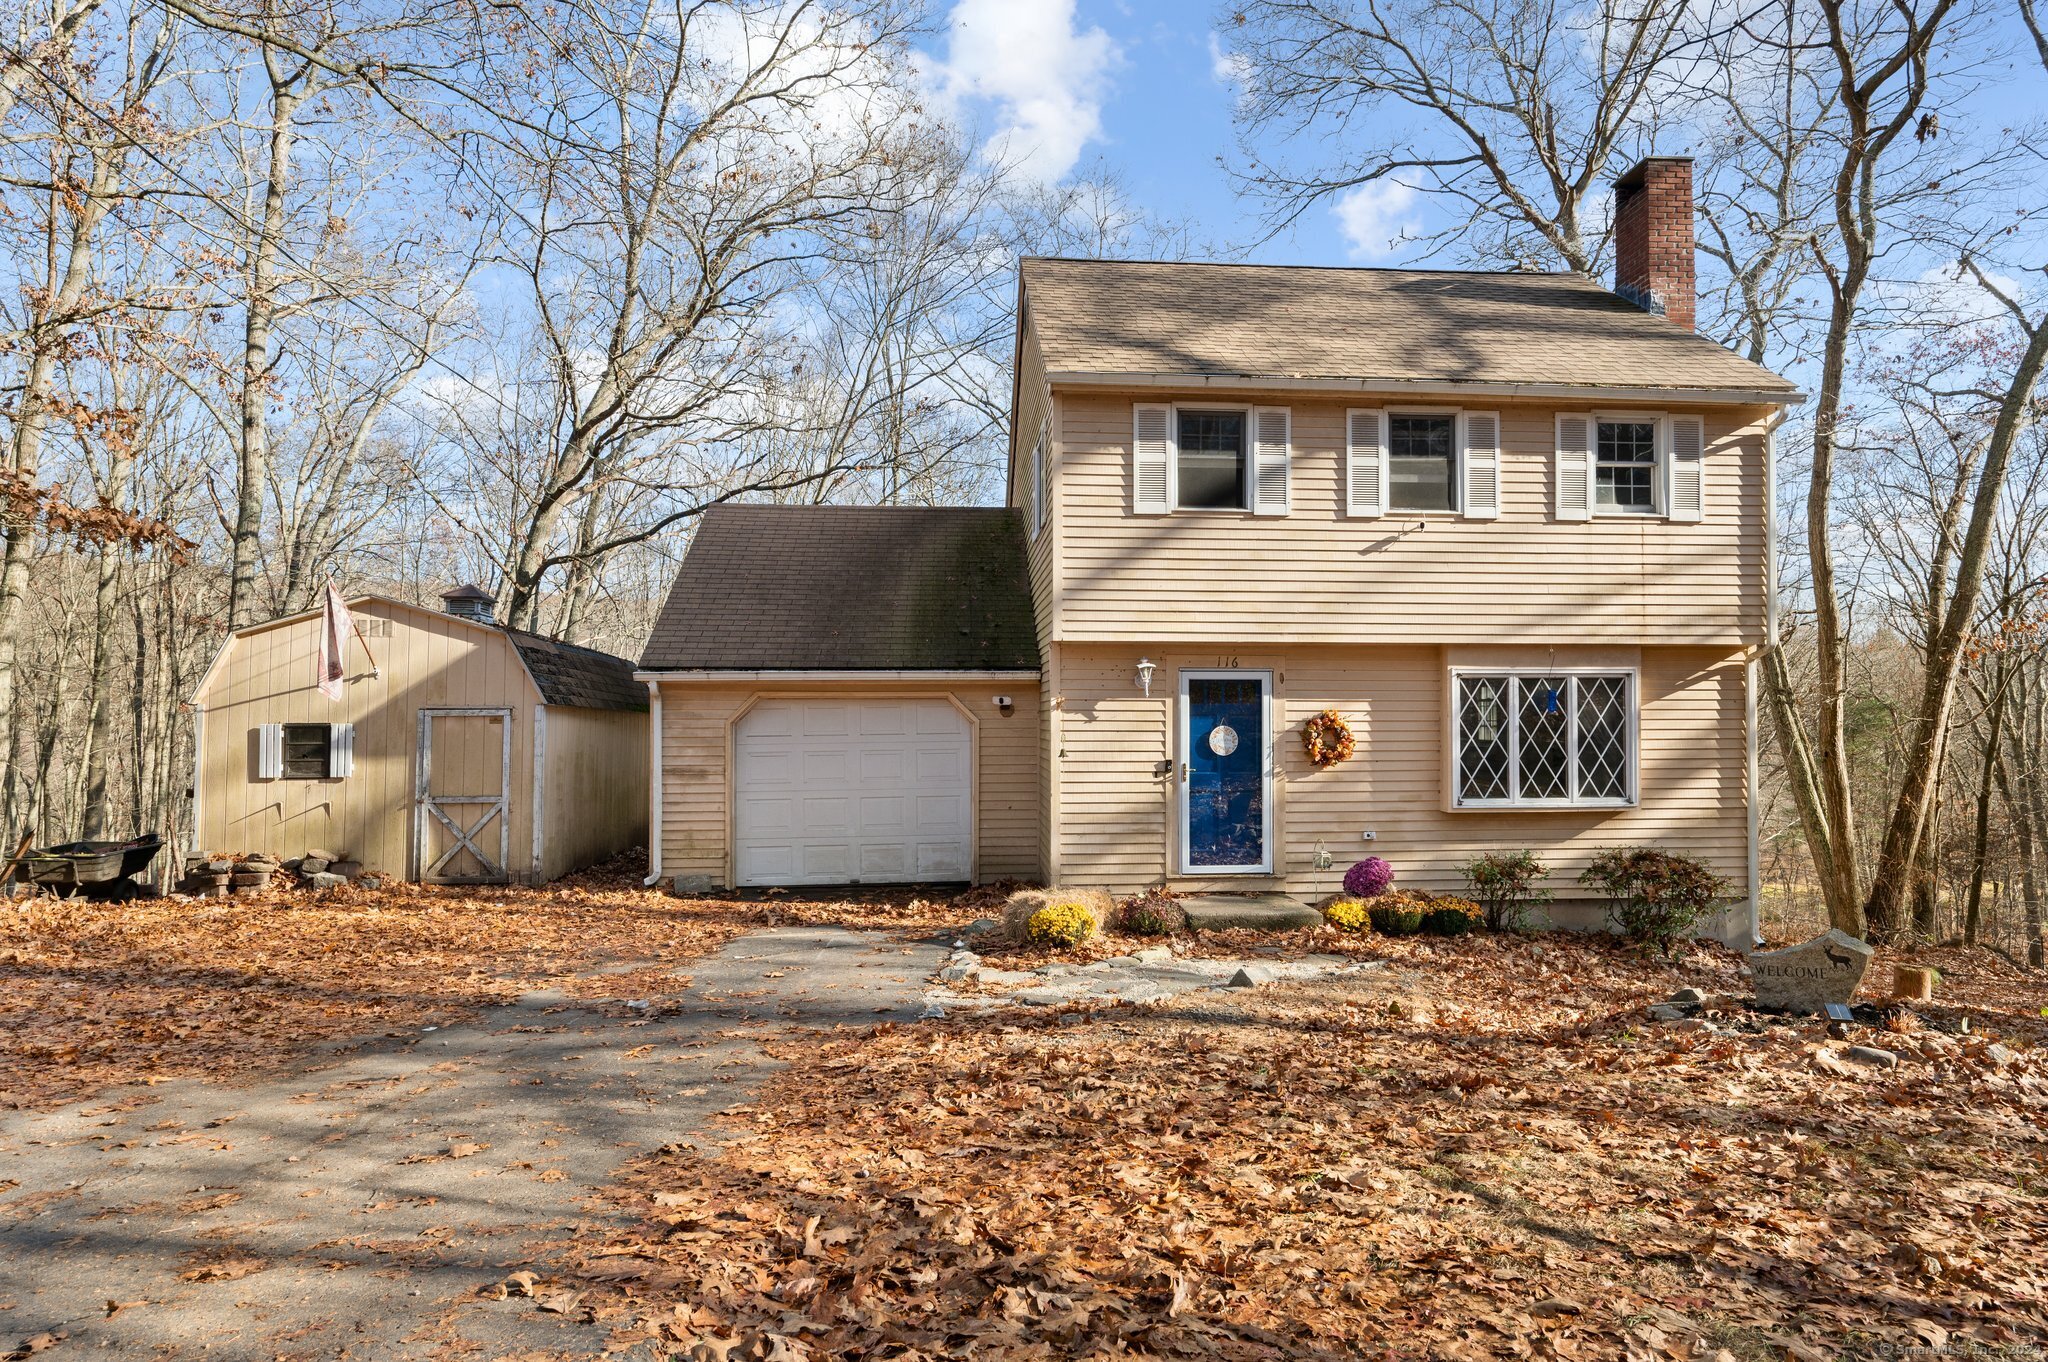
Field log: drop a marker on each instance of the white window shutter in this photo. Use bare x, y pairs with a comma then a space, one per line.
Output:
1574, 466
1365, 462
1272, 451
1151, 459
270, 752
1685, 492
1482, 464
341, 749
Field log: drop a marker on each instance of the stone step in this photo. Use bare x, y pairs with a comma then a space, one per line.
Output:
1258, 912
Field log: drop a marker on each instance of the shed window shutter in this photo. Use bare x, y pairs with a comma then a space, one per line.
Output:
1574, 466
1151, 459
270, 752
341, 749
1365, 462
1272, 446
1482, 464
1686, 498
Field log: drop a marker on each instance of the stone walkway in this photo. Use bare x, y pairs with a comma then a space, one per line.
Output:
355, 1208
1148, 976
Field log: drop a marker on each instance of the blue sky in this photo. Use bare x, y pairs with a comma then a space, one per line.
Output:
1140, 85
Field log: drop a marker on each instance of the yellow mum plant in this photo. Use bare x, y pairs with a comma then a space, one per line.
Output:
1061, 924
1347, 915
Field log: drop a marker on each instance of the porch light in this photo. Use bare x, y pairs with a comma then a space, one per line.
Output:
1145, 669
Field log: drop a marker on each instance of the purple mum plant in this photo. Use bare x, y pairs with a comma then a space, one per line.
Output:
1369, 879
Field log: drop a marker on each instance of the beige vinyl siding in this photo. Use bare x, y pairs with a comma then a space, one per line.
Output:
1119, 826
427, 660
696, 723
1317, 576
594, 779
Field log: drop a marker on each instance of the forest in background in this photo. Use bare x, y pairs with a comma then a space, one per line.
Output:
405, 293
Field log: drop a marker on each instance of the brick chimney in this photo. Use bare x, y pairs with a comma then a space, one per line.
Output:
470, 603
1653, 265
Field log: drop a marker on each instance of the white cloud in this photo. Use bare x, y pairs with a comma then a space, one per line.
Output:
1043, 76
1952, 294
1227, 67
1374, 217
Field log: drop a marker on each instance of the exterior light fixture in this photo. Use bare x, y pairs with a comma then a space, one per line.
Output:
1145, 669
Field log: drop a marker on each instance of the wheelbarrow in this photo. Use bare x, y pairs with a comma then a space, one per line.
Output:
96, 869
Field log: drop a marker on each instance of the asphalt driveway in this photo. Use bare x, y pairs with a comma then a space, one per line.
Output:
368, 1206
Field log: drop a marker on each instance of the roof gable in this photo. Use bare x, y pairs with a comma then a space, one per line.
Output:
856, 588
1420, 327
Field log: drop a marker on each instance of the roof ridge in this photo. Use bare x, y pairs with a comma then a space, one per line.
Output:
1334, 269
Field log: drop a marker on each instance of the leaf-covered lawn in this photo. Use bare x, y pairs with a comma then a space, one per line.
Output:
94, 996
1483, 1151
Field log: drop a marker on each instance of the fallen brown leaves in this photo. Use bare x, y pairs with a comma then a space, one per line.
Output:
1300, 1172
95, 995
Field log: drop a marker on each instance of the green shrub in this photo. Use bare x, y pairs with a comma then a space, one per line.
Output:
1654, 897
1505, 883
1395, 919
1453, 917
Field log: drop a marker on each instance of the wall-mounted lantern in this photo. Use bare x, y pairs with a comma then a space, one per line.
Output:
1145, 669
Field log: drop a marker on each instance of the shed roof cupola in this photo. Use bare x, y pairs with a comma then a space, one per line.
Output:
470, 603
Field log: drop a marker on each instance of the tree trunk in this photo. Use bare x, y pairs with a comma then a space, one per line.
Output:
258, 321
1973, 902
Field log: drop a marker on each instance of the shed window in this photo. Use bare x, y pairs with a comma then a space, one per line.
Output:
1212, 460
308, 751
1545, 740
1625, 467
1422, 463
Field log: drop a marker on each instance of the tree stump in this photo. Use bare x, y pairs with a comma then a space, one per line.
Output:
1912, 983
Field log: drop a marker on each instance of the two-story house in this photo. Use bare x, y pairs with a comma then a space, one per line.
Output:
1514, 528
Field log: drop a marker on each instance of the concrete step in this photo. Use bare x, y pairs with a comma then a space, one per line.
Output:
1258, 912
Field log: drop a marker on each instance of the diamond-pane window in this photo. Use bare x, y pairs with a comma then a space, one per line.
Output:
1527, 739
1483, 763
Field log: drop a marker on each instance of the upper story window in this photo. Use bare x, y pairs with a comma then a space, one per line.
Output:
1544, 740
1625, 467
1211, 459
1422, 462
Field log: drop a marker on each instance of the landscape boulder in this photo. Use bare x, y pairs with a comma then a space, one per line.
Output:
1807, 977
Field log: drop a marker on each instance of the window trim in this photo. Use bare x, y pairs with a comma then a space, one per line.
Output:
1632, 768
1244, 485
1660, 472
1457, 415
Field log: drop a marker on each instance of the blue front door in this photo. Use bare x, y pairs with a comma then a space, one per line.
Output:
1225, 793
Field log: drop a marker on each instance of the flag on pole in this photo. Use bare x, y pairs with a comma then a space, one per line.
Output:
335, 626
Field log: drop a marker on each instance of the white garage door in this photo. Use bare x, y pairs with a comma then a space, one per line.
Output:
851, 792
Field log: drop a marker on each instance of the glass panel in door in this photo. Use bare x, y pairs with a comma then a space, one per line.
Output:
1226, 789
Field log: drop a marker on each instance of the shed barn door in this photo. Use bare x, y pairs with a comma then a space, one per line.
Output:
463, 817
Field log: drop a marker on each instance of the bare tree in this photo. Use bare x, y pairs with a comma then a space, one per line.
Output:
1513, 112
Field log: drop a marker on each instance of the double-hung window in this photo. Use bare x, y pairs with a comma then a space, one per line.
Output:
1543, 739
1625, 466
1212, 459
1422, 462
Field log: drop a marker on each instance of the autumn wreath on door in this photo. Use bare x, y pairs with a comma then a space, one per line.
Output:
1327, 739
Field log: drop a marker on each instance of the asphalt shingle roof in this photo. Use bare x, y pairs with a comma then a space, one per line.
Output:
572, 675
1421, 326
855, 588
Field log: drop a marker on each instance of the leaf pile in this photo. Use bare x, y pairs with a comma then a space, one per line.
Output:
1527, 1168
98, 994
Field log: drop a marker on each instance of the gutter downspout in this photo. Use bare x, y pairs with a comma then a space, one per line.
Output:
653, 785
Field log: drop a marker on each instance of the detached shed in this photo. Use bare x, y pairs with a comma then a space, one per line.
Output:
466, 753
